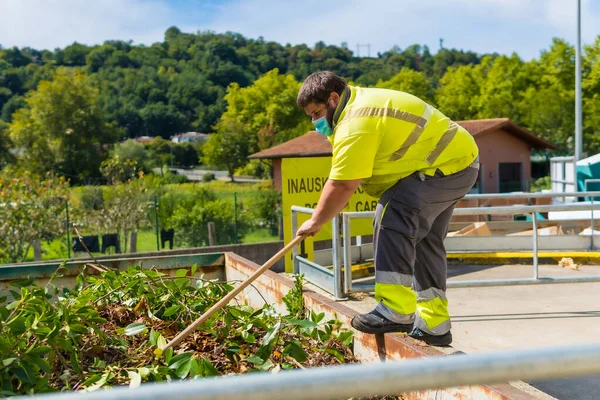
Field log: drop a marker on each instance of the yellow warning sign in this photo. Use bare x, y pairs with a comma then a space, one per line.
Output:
302, 181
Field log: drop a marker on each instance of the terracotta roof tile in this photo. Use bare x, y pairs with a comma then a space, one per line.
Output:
310, 144
479, 126
476, 126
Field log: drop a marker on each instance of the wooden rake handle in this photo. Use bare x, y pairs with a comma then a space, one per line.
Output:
223, 302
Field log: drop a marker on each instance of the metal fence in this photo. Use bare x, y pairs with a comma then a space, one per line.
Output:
339, 280
330, 280
150, 235
392, 377
563, 174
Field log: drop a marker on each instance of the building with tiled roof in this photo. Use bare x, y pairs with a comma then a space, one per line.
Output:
189, 137
504, 153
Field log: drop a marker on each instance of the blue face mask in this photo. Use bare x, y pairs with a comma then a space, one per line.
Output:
323, 127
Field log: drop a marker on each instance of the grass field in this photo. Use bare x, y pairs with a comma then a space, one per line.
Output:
146, 242
223, 189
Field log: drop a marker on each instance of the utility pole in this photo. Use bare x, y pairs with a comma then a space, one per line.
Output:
368, 46
441, 43
578, 116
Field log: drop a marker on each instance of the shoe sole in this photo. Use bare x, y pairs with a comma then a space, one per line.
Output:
384, 329
437, 342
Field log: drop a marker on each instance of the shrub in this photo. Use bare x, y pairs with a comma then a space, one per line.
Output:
176, 198
266, 208
540, 184
175, 178
191, 225
91, 198
207, 177
260, 169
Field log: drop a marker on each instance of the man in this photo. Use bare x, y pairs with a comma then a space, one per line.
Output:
419, 164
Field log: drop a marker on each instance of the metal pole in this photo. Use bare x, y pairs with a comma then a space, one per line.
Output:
578, 116
338, 290
347, 254
592, 226
370, 287
156, 222
235, 227
295, 262
536, 195
512, 210
358, 380
68, 224
535, 246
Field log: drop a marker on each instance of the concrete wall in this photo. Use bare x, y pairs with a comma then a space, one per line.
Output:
499, 146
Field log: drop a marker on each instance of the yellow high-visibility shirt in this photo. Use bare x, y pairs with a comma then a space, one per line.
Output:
383, 135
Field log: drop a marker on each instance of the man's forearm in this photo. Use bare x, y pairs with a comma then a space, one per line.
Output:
334, 198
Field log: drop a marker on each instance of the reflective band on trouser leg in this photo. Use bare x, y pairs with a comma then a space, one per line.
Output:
432, 312
400, 300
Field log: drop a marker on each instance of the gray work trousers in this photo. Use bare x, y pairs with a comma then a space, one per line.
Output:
410, 225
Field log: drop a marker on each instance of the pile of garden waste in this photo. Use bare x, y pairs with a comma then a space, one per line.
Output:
104, 332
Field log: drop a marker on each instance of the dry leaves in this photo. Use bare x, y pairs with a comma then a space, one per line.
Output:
567, 262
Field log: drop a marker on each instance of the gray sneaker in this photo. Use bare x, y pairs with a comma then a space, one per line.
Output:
374, 322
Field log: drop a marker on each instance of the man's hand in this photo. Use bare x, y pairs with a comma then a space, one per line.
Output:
334, 197
309, 228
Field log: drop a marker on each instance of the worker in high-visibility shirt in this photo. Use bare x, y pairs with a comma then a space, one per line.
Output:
419, 164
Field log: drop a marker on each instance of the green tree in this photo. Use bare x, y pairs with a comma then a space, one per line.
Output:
11, 106
182, 82
130, 150
99, 56
6, 157
125, 208
185, 155
31, 208
160, 151
458, 94
15, 57
410, 81
62, 128
266, 208
116, 170
548, 106
162, 120
591, 98
228, 150
502, 87
74, 55
265, 112
5, 96
191, 225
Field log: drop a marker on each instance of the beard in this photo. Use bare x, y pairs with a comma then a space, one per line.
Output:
329, 114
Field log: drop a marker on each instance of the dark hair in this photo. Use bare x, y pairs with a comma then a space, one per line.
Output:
318, 87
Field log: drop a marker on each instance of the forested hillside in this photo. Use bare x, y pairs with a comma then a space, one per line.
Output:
57, 103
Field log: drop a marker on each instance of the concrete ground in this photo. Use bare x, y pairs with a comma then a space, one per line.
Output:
523, 317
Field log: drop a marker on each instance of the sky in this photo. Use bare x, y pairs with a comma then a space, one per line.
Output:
484, 26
